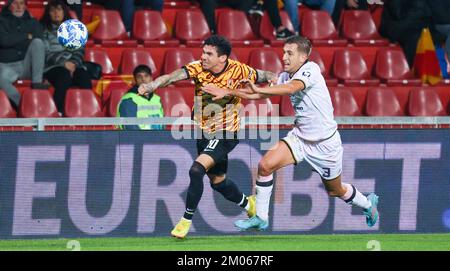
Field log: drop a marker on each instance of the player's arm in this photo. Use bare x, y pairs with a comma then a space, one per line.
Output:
266, 76
282, 89
162, 81
219, 93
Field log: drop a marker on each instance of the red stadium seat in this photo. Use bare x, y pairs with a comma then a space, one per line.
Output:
392, 68
344, 103
110, 29
383, 102
234, 25
316, 58
82, 103
6, 109
174, 103
150, 28
114, 99
350, 68
101, 57
359, 27
131, 58
267, 31
175, 59
262, 107
265, 59
425, 102
191, 27
318, 26
37, 103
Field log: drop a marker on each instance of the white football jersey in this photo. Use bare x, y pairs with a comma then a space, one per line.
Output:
314, 118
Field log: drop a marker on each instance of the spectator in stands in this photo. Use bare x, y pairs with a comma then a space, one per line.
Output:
22, 51
63, 68
271, 6
441, 20
134, 105
127, 8
402, 21
77, 6
291, 7
348, 4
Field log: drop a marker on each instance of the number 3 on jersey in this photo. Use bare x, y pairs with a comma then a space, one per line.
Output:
212, 144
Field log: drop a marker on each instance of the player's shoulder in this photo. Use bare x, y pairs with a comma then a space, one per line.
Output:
310, 65
194, 63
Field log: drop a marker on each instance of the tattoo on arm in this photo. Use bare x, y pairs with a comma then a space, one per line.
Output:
264, 76
168, 79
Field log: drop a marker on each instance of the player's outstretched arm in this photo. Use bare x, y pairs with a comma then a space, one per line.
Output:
219, 93
162, 81
266, 76
282, 89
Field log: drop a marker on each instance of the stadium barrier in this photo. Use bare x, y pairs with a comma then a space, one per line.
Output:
133, 183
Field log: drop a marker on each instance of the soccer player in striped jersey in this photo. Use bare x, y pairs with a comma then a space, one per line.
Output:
218, 120
314, 138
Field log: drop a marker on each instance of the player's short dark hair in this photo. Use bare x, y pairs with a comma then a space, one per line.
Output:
303, 44
221, 43
142, 68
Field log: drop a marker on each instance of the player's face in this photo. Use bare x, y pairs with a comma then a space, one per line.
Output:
56, 14
17, 8
210, 59
143, 78
293, 59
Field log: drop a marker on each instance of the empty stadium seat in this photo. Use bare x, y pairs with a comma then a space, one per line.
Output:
149, 28
392, 68
383, 102
265, 59
175, 59
101, 57
6, 109
191, 27
267, 31
234, 25
113, 102
261, 107
174, 103
131, 58
316, 58
111, 30
344, 103
350, 68
318, 26
425, 102
82, 103
37, 103
359, 27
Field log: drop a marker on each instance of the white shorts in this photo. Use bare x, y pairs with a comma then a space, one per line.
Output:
324, 156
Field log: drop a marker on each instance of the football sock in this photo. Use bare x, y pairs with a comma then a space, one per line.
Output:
354, 197
264, 185
195, 190
231, 192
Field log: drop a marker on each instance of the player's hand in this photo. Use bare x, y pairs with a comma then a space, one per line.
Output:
217, 92
250, 87
146, 88
70, 66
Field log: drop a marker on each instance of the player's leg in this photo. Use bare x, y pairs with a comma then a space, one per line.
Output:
326, 158
221, 183
350, 195
277, 157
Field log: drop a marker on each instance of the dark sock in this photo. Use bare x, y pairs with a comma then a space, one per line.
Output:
230, 191
195, 190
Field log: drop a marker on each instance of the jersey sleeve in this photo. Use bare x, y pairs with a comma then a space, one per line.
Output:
249, 73
193, 69
309, 75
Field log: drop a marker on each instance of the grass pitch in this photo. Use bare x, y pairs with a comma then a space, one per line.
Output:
339, 242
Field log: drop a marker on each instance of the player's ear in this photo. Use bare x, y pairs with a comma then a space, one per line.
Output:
223, 58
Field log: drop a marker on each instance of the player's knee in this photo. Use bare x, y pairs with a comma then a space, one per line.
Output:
265, 168
197, 171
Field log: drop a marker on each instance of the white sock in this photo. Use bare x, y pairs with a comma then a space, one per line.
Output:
247, 206
354, 197
264, 185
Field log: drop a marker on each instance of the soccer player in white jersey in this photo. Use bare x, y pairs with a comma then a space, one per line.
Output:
314, 138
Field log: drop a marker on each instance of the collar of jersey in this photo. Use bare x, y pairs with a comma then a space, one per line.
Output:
219, 73
290, 77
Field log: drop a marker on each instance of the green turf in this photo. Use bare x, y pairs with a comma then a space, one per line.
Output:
343, 242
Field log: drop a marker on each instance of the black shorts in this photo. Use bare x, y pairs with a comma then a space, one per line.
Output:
218, 149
